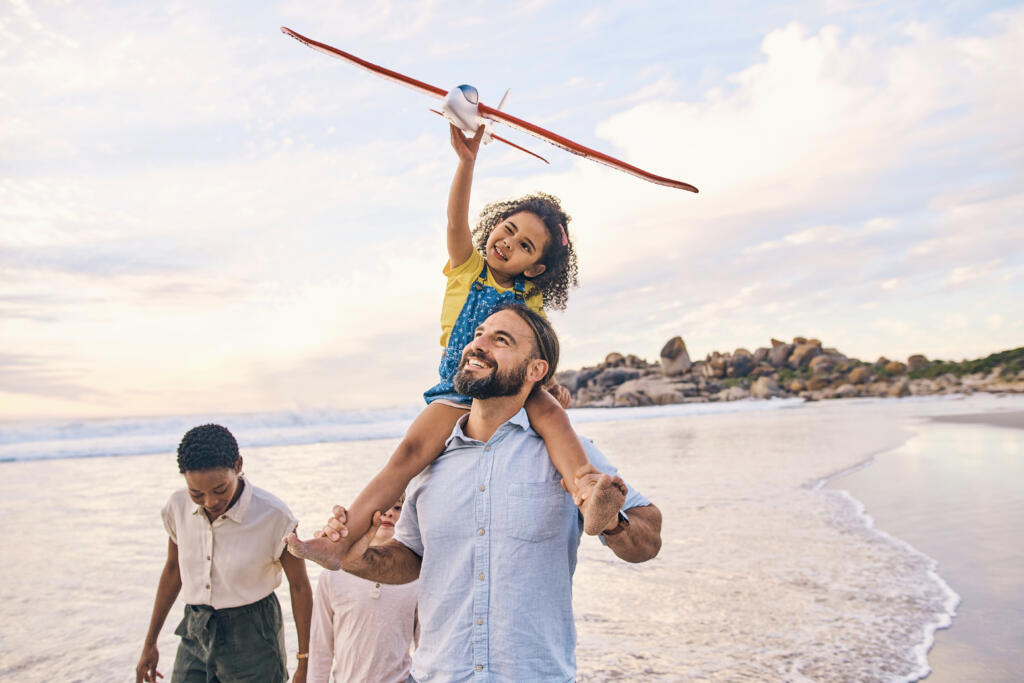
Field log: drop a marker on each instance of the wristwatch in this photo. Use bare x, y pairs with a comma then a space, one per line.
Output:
620, 527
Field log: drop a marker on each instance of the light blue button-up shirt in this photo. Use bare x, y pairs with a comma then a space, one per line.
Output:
498, 538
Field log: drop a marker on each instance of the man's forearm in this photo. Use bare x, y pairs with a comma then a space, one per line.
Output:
391, 562
641, 541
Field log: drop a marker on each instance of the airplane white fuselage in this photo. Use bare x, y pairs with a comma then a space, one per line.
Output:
460, 107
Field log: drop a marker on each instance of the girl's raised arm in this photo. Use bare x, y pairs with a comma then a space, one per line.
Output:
460, 239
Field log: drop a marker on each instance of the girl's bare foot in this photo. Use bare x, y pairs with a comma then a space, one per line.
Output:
602, 503
322, 550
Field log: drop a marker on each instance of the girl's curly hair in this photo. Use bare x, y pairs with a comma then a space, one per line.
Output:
560, 271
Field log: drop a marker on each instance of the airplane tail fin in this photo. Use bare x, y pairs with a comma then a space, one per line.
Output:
487, 126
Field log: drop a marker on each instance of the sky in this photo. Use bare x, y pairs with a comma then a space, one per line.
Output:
198, 213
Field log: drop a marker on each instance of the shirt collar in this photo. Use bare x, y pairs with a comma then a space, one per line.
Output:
236, 513
519, 420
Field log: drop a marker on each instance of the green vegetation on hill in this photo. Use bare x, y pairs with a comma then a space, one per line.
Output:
1012, 362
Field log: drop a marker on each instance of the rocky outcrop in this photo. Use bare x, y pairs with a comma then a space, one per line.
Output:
674, 358
802, 368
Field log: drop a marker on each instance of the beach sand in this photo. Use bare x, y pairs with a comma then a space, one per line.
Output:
1011, 419
955, 491
765, 573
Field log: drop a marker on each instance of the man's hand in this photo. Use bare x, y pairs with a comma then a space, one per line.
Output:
560, 393
146, 668
300, 671
355, 560
466, 148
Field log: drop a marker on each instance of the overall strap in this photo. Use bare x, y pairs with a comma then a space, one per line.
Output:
520, 288
481, 279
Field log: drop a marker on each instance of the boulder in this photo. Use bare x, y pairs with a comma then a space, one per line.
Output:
797, 385
587, 374
780, 354
894, 367
765, 387
569, 379
814, 342
761, 355
899, 388
802, 355
797, 341
716, 363
823, 364
762, 370
686, 388
630, 399
817, 383
881, 362
635, 362
917, 362
650, 390
777, 342
859, 375
739, 364
846, 391
732, 394
612, 377
674, 358
614, 359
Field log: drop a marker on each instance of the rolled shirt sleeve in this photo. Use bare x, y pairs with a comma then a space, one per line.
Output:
634, 499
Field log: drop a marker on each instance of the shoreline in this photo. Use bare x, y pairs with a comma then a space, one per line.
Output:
924, 496
1008, 420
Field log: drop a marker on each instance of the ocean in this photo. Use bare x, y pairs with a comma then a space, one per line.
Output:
769, 571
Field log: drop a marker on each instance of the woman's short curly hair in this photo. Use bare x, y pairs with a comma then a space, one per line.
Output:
560, 271
205, 447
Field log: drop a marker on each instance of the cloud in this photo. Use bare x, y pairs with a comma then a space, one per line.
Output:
194, 208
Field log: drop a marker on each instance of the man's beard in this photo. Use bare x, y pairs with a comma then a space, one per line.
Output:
497, 383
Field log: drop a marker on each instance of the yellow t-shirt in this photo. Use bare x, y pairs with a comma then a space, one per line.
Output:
461, 279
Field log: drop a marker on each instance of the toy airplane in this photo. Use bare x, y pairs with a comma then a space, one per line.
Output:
463, 108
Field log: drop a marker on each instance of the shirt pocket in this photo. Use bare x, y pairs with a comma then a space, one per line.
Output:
535, 510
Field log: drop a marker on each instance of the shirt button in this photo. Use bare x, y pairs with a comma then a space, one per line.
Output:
480, 532
482, 487
207, 586
481, 577
479, 667
207, 557
487, 448
479, 622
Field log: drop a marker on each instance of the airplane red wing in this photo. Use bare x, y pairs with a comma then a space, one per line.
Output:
490, 112
379, 70
576, 148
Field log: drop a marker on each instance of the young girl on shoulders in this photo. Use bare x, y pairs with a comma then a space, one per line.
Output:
520, 250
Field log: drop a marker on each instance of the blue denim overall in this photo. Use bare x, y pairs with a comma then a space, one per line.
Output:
481, 300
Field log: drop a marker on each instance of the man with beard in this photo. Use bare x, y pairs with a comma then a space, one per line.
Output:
488, 529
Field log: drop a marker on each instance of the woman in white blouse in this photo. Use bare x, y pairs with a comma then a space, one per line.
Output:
362, 631
225, 554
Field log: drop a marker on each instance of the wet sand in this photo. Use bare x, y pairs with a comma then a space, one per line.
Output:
1012, 420
955, 492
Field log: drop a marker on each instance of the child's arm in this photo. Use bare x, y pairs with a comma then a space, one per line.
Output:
460, 239
552, 424
423, 442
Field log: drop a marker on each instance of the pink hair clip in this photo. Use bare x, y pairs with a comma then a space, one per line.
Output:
565, 238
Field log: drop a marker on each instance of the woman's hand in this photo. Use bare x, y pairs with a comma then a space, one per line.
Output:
466, 148
146, 669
